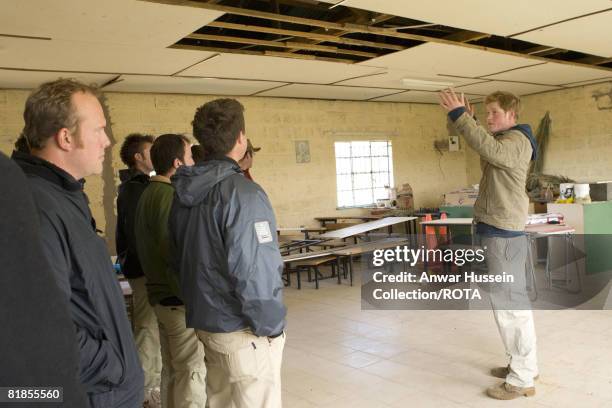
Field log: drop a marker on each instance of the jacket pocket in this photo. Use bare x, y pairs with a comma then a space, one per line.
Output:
102, 399
116, 365
244, 357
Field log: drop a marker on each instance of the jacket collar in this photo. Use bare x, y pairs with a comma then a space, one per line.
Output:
132, 174
161, 179
33, 165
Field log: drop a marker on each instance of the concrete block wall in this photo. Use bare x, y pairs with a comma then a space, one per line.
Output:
580, 143
298, 191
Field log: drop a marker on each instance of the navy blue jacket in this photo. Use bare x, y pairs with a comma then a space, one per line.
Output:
109, 367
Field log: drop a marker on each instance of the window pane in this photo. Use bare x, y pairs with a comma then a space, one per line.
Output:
363, 197
381, 193
345, 199
343, 166
360, 149
362, 181
380, 179
379, 148
363, 170
380, 164
344, 183
362, 165
343, 149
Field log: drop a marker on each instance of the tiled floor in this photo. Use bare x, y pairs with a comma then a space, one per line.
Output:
337, 355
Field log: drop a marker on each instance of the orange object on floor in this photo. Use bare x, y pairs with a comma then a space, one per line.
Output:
430, 234
443, 231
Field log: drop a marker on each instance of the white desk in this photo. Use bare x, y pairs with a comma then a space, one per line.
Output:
365, 227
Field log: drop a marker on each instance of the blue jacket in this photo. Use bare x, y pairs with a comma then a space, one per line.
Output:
109, 367
225, 248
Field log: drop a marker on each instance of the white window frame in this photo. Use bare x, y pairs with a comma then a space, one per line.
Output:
376, 192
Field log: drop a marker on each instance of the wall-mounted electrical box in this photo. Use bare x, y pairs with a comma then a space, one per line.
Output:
453, 143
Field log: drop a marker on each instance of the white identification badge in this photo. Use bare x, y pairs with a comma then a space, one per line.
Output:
262, 229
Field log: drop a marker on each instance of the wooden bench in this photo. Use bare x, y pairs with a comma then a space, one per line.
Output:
313, 265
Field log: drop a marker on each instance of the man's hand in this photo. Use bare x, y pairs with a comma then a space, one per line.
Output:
449, 100
469, 108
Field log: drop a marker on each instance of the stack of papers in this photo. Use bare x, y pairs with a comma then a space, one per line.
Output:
546, 218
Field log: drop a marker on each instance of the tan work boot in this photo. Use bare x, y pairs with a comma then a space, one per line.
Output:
502, 372
505, 391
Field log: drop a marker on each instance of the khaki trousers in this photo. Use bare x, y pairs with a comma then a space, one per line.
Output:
184, 371
146, 334
512, 308
244, 370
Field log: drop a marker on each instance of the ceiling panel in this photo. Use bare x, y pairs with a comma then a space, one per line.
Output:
419, 97
432, 58
201, 86
127, 22
552, 74
595, 81
277, 69
483, 15
31, 79
63, 55
327, 92
485, 88
591, 34
393, 79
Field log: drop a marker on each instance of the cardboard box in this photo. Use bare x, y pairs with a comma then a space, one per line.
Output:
463, 197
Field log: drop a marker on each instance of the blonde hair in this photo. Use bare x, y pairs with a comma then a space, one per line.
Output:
506, 100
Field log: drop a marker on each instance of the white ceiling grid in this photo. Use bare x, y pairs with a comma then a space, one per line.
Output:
327, 92
595, 34
518, 88
126, 22
277, 69
434, 58
25, 79
105, 38
485, 16
420, 97
393, 79
201, 86
63, 55
551, 74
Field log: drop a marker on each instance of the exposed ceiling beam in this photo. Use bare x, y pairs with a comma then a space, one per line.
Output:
281, 44
357, 28
354, 17
304, 34
594, 60
466, 35
250, 52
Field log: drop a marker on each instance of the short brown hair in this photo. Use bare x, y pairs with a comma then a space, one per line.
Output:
49, 109
217, 125
198, 153
165, 149
133, 144
506, 100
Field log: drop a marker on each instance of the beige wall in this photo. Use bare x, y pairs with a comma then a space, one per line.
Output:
580, 144
298, 192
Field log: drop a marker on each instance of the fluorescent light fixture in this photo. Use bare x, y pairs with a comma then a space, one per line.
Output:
337, 4
425, 83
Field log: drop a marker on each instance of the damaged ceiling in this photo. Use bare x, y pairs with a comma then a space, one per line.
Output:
384, 50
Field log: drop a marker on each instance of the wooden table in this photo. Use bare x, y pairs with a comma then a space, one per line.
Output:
347, 251
303, 230
366, 227
363, 218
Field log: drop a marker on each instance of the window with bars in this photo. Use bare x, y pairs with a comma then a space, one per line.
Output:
364, 170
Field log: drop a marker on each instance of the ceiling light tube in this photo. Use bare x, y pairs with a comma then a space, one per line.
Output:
337, 4
424, 83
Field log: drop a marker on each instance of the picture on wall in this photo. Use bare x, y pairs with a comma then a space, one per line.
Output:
302, 151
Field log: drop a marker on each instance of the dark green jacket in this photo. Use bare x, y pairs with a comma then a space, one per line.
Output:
151, 228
